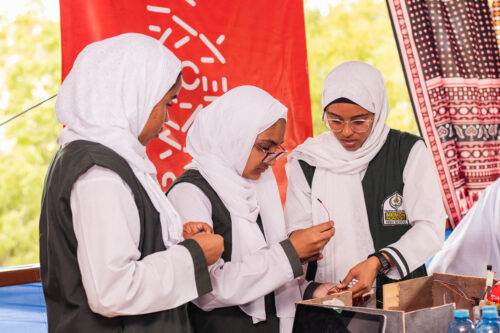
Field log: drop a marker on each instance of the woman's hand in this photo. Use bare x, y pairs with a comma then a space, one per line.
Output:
192, 228
211, 245
365, 272
309, 242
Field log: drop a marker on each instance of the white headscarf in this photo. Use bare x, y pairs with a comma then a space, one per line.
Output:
338, 175
108, 97
220, 142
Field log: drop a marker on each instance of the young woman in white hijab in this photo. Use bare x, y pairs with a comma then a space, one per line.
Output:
230, 185
378, 185
111, 251
475, 242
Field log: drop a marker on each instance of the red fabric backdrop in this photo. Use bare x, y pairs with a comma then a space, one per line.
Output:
223, 44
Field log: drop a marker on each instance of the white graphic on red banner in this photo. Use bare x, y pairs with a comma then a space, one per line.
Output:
200, 89
222, 44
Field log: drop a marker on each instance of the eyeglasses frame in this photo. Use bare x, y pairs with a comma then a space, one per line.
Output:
349, 122
270, 156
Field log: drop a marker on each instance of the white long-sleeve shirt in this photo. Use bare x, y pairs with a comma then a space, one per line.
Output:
423, 206
107, 228
234, 283
475, 243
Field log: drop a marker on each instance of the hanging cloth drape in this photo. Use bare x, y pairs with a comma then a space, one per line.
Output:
495, 13
450, 57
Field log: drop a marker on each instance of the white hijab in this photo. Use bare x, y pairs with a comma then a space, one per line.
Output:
220, 142
342, 170
107, 98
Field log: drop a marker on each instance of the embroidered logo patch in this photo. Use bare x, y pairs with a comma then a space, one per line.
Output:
393, 210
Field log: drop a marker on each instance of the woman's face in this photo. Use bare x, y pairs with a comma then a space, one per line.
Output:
159, 115
350, 139
269, 140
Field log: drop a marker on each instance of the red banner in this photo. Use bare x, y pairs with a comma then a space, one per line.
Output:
222, 44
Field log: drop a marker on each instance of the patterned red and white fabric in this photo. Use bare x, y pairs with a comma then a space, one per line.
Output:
495, 13
222, 44
451, 61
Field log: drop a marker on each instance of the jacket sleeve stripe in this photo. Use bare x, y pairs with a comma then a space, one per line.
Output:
395, 259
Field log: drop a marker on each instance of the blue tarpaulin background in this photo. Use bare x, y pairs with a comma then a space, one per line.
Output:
22, 309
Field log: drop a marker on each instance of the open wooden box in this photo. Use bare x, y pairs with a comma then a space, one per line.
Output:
435, 290
420, 305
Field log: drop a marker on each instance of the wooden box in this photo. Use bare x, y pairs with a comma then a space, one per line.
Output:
437, 289
429, 320
420, 305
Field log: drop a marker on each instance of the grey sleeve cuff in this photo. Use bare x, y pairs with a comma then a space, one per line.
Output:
201, 275
293, 258
310, 289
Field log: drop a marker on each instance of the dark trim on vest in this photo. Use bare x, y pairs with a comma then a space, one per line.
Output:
312, 268
293, 258
201, 275
310, 289
261, 227
308, 170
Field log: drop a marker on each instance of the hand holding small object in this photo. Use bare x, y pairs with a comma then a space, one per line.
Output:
338, 287
356, 301
309, 242
365, 272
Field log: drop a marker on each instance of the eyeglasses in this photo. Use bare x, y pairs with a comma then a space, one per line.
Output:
357, 126
270, 156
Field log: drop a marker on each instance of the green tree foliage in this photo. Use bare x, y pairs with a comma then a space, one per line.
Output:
30, 71
356, 30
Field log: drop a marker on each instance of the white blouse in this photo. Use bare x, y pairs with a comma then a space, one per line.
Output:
423, 206
234, 283
475, 242
107, 228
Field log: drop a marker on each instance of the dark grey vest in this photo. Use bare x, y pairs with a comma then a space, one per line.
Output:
383, 178
67, 305
232, 318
